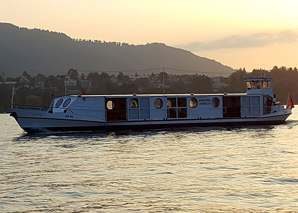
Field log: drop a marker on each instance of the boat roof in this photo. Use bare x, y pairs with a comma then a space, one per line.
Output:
257, 79
158, 95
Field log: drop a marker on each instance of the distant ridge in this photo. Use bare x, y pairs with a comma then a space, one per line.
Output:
51, 53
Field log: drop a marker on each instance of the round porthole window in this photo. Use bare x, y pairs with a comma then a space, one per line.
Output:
215, 102
158, 103
193, 103
66, 102
59, 102
110, 105
134, 103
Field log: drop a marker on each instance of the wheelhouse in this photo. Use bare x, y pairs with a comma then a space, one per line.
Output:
259, 86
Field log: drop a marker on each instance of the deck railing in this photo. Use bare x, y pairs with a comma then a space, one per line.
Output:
18, 106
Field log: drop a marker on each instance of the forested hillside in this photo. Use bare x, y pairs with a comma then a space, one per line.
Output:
39, 51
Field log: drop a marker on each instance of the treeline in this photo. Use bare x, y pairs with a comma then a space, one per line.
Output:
39, 90
284, 81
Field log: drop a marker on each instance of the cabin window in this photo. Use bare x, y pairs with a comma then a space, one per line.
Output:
248, 85
59, 102
176, 108
193, 103
134, 103
181, 102
139, 109
215, 102
110, 105
66, 102
171, 102
133, 112
266, 85
182, 112
158, 103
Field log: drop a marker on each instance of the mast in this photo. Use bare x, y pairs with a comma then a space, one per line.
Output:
12, 96
163, 81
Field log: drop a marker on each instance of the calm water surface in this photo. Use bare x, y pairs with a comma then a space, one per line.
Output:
251, 169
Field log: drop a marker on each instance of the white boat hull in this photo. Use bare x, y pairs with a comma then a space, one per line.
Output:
33, 121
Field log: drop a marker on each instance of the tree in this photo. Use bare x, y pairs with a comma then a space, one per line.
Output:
121, 78
236, 81
27, 76
82, 77
73, 74
200, 84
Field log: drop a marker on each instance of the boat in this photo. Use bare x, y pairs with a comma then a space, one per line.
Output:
258, 106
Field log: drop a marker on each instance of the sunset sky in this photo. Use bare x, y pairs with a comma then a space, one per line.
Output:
237, 33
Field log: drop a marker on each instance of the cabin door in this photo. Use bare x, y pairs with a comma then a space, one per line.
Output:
116, 109
231, 107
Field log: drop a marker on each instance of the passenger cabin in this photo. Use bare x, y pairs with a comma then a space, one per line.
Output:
257, 101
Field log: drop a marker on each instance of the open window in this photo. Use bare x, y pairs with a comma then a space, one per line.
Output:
116, 109
231, 107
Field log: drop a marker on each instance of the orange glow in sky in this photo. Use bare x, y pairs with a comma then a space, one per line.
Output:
237, 33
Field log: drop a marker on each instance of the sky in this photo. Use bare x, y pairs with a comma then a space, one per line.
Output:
248, 34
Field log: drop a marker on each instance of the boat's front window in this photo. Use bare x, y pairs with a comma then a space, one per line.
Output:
66, 102
58, 103
253, 85
266, 84
258, 84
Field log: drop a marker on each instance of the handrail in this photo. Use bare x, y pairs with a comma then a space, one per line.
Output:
18, 106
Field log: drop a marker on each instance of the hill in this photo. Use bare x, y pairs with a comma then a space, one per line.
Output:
51, 53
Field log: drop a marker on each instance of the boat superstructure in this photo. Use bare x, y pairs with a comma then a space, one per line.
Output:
257, 106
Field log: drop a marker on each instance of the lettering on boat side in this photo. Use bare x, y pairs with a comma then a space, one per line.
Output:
68, 116
204, 101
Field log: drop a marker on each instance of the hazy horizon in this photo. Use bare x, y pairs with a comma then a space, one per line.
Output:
251, 34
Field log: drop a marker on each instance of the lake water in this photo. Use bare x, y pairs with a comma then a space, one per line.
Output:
250, 169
